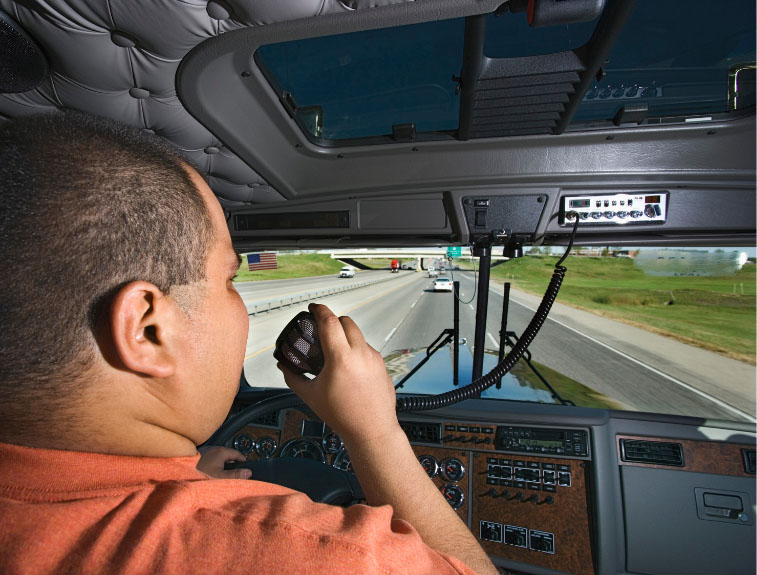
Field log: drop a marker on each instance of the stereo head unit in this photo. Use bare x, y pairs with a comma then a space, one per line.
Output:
544, 440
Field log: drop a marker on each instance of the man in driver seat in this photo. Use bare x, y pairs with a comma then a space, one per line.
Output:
121, 349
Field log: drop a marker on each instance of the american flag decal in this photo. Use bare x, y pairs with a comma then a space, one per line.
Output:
263, 261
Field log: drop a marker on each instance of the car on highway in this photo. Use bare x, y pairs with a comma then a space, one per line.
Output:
347, 272
442, 284
582, 413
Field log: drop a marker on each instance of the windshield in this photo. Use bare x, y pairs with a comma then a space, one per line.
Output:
659, 330
362, 84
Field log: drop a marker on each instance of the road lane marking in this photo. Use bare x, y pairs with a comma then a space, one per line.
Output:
396, 327
391, 333
678, 382
491, 337
260, 351
353, 308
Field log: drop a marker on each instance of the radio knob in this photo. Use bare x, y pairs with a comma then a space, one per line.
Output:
635, 214
649, 211
609, 214
596, 215
622, 214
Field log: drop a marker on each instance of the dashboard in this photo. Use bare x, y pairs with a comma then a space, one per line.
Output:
549, 489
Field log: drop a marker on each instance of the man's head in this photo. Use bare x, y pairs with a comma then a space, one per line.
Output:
99, 221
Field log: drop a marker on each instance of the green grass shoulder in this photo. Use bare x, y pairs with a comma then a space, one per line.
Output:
292, 266
715, 313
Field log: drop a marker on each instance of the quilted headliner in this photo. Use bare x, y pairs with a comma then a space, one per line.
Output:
118, 58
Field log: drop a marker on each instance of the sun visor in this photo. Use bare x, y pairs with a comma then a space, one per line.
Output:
409, 219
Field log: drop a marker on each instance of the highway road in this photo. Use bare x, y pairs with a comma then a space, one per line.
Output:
638, 370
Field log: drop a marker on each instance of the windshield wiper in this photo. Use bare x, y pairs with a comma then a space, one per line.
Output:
510, 338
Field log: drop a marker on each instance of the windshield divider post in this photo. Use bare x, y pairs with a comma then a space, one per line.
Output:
484, 253
473, 57
594, 53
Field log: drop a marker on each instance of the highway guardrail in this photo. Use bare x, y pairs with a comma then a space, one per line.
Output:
256, 307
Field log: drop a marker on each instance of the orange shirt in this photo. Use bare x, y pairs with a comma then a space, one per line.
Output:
73, 512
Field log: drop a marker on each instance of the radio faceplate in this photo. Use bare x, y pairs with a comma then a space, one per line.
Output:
542, 440
610, 209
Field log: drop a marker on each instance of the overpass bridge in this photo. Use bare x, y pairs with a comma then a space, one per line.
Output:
419, 255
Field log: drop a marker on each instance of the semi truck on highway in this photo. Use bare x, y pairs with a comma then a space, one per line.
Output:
395, 266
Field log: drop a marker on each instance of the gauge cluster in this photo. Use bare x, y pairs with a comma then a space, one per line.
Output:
300, 436
264, 446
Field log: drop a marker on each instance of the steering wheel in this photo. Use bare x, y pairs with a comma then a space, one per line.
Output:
322, 483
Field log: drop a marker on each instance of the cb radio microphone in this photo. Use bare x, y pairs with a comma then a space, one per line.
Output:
298, 347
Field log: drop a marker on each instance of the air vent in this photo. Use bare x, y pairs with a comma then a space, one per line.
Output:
749, 460
422, 432
651, 452
270, 419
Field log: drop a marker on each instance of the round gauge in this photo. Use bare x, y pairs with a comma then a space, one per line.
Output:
303, 448
244, 443
266, 446
342, 461
452, 469
454, 495
332, 443
429, 464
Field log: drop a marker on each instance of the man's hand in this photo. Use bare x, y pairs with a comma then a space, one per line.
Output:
355, 396
212, 460
353, 393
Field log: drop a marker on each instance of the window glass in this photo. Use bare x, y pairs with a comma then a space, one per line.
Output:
366, 82
676, 58
641, 329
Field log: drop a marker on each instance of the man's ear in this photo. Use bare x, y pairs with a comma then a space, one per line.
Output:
144, 324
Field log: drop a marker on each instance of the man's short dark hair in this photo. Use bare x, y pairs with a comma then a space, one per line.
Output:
87, 205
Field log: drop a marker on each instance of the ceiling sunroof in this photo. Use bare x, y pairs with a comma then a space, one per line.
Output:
360, 84
404, 83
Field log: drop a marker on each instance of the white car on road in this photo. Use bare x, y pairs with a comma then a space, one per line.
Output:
442, 284
347, 272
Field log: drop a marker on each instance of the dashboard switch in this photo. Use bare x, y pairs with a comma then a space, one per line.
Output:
516, 536
563, 479
490, 531
542, 541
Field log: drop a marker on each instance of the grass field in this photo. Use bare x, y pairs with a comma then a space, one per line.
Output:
292, 266
710, 312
